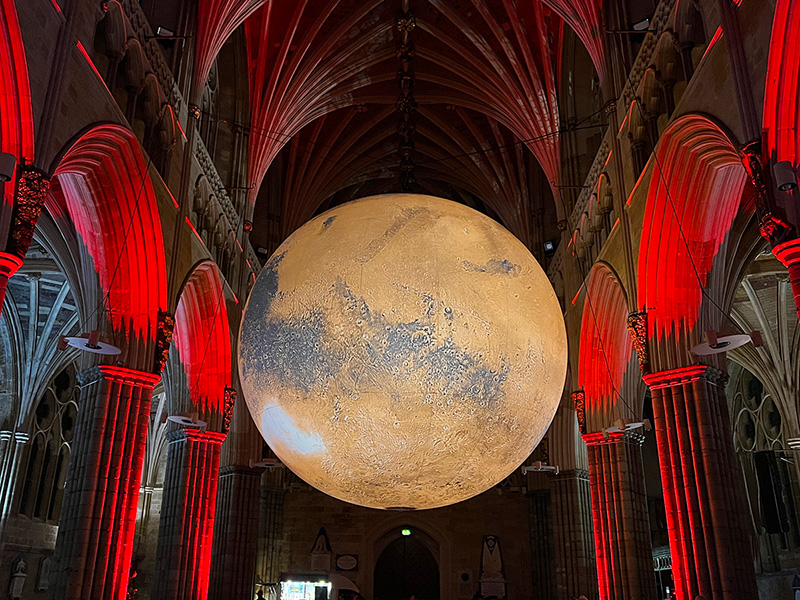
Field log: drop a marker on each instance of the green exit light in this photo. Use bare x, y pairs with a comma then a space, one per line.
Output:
406, 532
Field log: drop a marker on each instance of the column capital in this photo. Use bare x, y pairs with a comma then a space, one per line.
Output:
138, 378
195, 435
788, 252
613, 437
683, 375
9, 264
117, 373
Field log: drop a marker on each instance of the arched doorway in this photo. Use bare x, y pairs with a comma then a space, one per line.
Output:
406, 567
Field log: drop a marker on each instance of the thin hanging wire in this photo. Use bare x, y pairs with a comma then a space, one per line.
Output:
684, 239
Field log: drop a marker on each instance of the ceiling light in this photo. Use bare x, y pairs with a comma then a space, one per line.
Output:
785, 176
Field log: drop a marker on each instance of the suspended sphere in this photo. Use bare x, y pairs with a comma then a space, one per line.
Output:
402, 351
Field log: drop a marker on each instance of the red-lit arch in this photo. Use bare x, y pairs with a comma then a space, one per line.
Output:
696, 189
202, 338
16, 117
782, 94
606, 347
106, 187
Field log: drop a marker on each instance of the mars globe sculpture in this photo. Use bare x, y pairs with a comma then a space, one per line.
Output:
402, 351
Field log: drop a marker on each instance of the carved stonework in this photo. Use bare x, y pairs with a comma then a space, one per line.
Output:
29, 196
772, 226
164, 330
579, 401
637, 329
544, 448
227, 411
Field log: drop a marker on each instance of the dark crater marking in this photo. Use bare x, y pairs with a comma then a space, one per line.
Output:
405, 349
493, 267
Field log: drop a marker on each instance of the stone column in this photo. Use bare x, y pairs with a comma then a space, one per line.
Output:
270, 528
542, 547
576, 572
186, 528
619, 509
233, 560
98, 516
11, 446
708, 536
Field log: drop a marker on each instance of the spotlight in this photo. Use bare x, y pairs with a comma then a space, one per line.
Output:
540, 467
717, 344
266, 463
549, 248
7, 164
90, 342
184, 420
785, 176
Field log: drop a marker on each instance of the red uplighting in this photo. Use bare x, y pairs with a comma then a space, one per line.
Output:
202, 338
194, 231
782, 95
16, 117
695, 191
606, 347
717, 37
105, 185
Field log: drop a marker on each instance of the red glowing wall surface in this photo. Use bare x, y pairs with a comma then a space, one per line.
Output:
16, 118
782, 94
203, 339
110, 198
695, 191
606, 347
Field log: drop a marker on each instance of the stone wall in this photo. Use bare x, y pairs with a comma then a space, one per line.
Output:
458, 530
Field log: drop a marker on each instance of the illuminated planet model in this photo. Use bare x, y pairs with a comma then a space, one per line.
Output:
402, 351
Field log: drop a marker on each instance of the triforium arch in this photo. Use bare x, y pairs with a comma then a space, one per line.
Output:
612, 394
697, 236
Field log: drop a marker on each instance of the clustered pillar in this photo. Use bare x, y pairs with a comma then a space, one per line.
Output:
572, 529
270, 528
711, 556
186, 529
95, 539
235, 533
619, 508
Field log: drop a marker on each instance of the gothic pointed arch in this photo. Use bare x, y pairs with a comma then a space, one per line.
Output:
16, 115
104, 184
202, 345
607, 370
782, 95
694, 209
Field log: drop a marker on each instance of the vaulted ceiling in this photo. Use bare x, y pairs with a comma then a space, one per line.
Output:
348, 95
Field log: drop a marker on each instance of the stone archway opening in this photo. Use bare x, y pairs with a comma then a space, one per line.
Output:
406, 569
